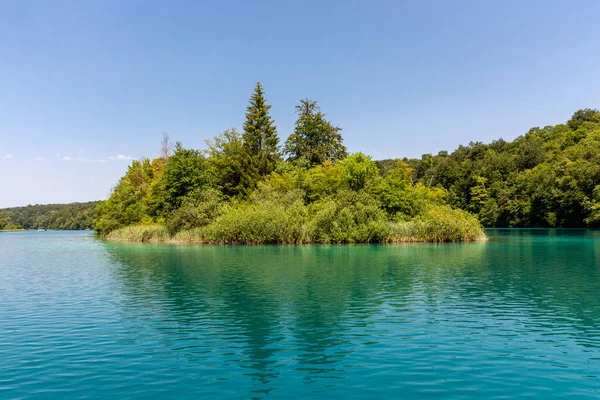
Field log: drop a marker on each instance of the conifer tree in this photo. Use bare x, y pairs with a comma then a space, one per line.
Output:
260, 139
315, 139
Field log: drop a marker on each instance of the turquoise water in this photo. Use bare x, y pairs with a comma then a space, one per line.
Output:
517, 316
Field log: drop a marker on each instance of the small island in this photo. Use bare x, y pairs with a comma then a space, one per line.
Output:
247, 189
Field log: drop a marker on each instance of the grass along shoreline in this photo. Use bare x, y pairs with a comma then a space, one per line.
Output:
236, 229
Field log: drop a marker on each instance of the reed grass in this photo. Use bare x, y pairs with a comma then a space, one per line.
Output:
140, 233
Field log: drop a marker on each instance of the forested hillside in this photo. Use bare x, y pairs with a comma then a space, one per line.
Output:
248, 188
74, 216
549, 177
6, 224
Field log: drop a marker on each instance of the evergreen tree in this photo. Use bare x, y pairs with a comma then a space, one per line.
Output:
260, 135
315, 139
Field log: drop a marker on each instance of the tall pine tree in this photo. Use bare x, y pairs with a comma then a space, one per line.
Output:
260, 139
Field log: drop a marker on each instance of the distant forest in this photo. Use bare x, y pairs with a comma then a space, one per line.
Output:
549, 177
75, 216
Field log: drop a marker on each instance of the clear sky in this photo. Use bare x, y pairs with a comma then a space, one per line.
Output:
86, 85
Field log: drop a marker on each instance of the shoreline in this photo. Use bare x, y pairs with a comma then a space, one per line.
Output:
200, 243
158, 234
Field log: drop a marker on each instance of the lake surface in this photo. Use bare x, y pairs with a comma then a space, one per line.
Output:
517, 316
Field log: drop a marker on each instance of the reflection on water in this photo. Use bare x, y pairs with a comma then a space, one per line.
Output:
517, 315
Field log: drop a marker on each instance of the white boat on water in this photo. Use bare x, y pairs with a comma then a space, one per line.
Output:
41, 229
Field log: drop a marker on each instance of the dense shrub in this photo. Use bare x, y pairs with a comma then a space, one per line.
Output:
198, 209
271, 218
349, 217
437, 224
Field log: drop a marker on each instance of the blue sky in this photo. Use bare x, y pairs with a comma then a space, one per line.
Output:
86, 85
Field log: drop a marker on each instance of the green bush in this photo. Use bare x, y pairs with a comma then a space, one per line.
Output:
349, 217
437, 224
198, 209
276, 218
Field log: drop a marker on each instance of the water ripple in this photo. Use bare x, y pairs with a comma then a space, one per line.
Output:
518, 316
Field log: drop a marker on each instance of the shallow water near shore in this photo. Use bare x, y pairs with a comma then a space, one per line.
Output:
515, 316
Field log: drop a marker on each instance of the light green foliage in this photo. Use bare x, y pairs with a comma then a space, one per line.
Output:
349, 217
272, 217
140, 233
393, 192
439, 223
489, 212
359, 170
322, 181
315, 140
133, 199
6, 224
479, 194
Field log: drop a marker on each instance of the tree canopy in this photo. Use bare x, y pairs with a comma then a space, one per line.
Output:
315, 140
549, 177
74, 216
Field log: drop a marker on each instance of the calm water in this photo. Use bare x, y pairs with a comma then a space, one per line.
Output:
516, 316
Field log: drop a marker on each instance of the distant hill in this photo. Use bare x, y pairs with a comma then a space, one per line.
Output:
73, 216
549, 177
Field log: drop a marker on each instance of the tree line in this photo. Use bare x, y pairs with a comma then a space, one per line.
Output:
246, 187
548, 177
6, 223
74, 216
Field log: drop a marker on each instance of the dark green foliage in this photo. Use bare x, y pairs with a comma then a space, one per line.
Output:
315, 140
583, 115
74, 216
186, 171
260, 139
544, 178
230, 161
